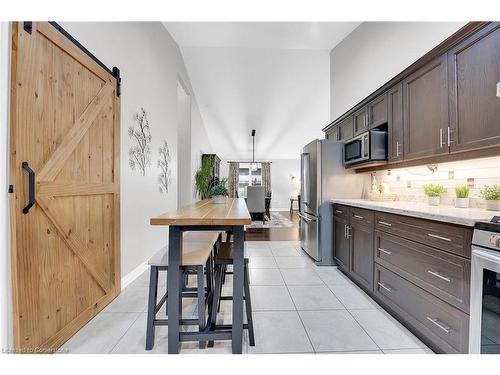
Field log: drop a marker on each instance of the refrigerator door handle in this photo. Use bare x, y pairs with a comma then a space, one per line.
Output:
305, 158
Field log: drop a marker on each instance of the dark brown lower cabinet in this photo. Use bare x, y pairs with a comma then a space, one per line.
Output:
419, 270
341, 242
361, 245
444, 327
445, 275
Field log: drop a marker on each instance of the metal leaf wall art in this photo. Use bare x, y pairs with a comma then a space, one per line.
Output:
165, 176
140, 152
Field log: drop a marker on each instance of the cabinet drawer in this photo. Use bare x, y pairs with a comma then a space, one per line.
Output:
341, 211
445, 275
452, 238
361, 216
445, 326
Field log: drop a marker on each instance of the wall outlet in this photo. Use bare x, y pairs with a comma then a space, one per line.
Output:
470, 183
451, 175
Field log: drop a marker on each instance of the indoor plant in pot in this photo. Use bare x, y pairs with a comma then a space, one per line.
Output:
204, 178
492, 196
434, 193
219, 192
462, 196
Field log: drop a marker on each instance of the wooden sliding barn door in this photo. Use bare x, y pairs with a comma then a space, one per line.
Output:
65, 154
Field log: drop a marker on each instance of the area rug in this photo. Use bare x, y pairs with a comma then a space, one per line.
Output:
277, 221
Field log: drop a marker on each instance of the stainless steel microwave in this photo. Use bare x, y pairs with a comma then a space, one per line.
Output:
366, 147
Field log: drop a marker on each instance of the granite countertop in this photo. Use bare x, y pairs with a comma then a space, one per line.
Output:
447, 214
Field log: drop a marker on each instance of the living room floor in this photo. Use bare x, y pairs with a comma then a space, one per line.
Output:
298, 308
277, 234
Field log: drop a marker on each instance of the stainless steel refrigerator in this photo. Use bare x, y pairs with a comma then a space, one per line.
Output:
324, 177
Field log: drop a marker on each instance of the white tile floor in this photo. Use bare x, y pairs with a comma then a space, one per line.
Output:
298, 308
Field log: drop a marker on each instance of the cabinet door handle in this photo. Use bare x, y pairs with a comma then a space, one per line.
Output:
358, 217
450, 130
385, 251
439, 237
349, 231
383, 286
438, 324
433, 273
339, 211
385, 223
441, 137
397, 148
345, 231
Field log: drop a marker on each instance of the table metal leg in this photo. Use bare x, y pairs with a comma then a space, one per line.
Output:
174, 278
238, 278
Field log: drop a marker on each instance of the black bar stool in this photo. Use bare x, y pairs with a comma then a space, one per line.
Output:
198, 259
224, 258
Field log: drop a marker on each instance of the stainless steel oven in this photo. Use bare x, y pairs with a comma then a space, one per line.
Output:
484, 328
369, 146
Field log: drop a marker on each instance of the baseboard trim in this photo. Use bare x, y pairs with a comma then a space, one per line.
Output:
134, 274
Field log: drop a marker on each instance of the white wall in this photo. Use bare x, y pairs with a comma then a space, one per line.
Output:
282, 185
374, 53
151, 66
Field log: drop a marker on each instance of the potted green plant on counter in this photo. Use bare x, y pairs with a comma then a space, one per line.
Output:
492, 196
219, 192
462, 196
204, 178
434, 193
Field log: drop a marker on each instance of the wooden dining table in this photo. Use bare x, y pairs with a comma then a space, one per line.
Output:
204, 215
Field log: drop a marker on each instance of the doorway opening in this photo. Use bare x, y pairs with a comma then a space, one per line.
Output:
184, 187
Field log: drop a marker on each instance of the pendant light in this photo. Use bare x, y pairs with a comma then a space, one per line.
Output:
253, 164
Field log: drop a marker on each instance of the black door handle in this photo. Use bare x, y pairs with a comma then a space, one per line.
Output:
31, 187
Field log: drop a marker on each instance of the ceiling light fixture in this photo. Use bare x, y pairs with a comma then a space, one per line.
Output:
253, 164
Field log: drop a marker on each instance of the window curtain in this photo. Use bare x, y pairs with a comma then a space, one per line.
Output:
233, 179
266, 178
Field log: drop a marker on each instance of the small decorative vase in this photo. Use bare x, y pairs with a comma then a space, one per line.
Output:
493, 205
462, 202
433, 201
219, 199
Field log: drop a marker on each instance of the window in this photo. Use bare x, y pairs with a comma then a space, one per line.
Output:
248, 177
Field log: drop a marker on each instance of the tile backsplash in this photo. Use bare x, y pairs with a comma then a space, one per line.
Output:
476, 173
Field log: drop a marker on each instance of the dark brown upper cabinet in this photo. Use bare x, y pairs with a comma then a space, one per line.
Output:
425, 110
333, 134
377, 111
346, 129
361, 121
395, 122
474, 72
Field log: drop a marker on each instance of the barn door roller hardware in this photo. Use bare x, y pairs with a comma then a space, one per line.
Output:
116, 74
28, 26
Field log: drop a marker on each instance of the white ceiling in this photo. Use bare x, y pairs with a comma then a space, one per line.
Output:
272, 77
288, 35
